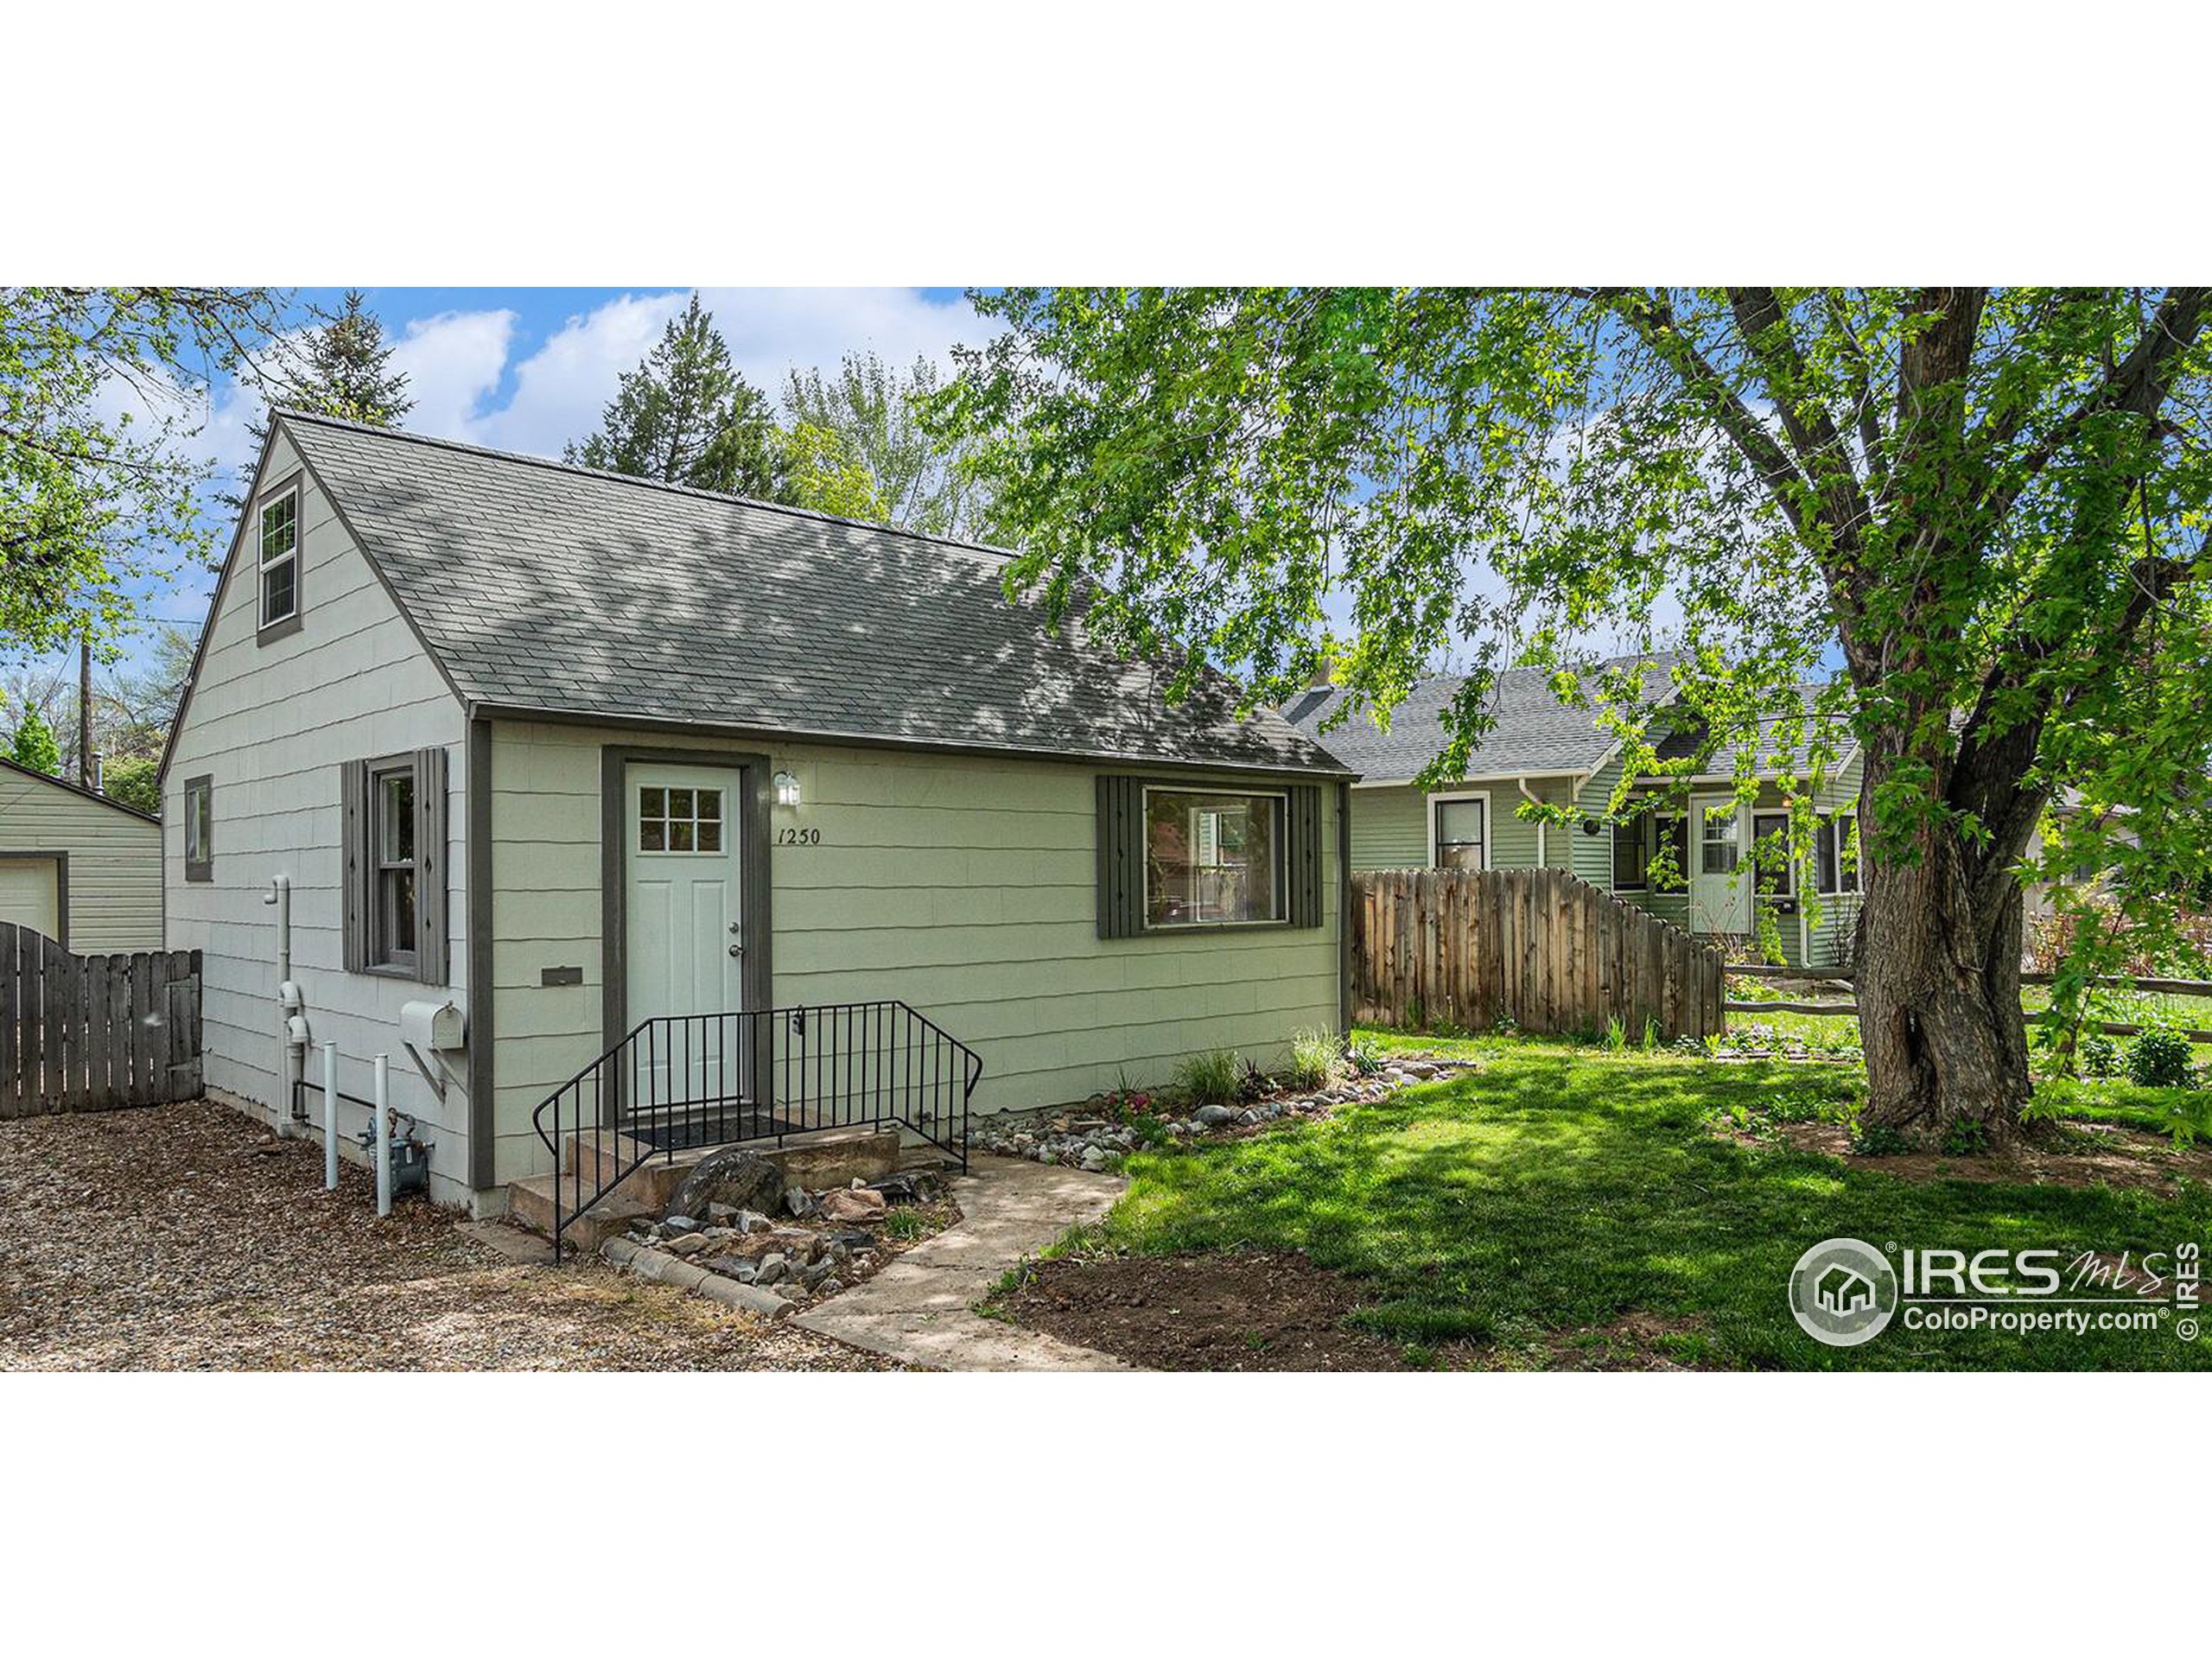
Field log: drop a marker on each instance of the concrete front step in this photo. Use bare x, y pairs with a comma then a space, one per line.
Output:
530, 1204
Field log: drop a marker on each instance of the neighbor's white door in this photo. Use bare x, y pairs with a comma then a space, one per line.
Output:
30, 894
684, 931
1720, 875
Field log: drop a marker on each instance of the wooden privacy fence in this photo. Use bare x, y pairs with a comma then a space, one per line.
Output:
1543, 948
84, 1033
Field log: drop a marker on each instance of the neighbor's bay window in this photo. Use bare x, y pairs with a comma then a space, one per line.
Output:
394, 834
1175, 856
1835, 853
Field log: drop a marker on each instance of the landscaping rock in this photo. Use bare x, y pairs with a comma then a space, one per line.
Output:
800, 1201
1094, 1158
775, 1267
677, 1221
732, 1267
733, 1176
854, 1203
1212, 1117
688, 1244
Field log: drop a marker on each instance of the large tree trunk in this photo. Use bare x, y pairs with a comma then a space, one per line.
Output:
1939, 997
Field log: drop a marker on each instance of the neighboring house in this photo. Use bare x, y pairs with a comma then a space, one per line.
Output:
1542, 750
573, 751
78, 866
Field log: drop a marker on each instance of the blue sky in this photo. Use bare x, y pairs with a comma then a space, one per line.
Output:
529, 369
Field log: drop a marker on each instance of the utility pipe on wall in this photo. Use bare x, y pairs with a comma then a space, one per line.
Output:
1531, 795
280, 894
330, 1117
382, 1149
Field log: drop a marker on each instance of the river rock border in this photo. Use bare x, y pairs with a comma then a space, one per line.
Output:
1091, 1139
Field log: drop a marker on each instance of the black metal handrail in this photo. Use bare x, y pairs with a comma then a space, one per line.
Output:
677, 1083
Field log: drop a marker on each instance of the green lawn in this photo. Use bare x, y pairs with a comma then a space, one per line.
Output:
1562, 1188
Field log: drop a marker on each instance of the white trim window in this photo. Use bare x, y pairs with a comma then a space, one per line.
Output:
1835, 853
278, 539
1458, 830
1213, 858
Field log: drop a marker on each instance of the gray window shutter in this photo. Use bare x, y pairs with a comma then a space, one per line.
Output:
353, 794
431, 943
1304, 838
1120, 857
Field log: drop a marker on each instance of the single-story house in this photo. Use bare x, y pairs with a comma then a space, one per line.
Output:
1543, 750
80, 868
527, 759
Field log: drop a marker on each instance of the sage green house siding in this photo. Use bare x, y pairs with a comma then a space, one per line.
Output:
1389, 824
963, 885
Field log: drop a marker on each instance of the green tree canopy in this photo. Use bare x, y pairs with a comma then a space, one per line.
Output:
879, 417
34, 746
1991, 505
100, 390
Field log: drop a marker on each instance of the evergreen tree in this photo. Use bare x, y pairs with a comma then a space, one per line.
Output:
686, 416
342, 368
35, 747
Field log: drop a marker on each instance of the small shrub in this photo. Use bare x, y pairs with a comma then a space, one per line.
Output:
1314, 1056
1878, 1140
1505, 1025
2159, 1059
1616, 1035
2098, 1056
1253, 1084
1209, 1078
1362, 1055
1966, 1137
906, 1224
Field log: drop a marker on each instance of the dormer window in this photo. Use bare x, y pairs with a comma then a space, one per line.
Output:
278, 524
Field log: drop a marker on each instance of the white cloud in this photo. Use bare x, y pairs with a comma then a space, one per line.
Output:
771, 331
452, 362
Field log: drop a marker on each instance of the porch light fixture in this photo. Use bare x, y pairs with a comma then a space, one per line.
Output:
786, 789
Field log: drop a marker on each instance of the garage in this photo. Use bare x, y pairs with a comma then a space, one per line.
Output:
31, 886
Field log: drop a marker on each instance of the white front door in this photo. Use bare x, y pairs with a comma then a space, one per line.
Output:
1721, 876
685, 932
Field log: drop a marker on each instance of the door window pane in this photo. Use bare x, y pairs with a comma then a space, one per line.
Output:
1718, 841
679, 820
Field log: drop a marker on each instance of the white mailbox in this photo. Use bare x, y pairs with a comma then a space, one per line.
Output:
431, 1028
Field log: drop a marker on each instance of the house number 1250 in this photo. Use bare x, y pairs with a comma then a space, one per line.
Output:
790, 838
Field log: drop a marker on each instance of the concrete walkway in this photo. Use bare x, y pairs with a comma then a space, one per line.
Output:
920, 1308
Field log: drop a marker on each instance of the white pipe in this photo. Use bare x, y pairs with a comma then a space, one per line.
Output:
383, 1135
280, 894
1529, 794
330, 1117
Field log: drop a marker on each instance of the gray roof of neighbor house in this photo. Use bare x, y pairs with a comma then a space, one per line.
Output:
548, 588
1775, 754
1535, 733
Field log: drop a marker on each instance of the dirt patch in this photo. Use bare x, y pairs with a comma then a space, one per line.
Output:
2079, 1155
183, 1238
1243, 1311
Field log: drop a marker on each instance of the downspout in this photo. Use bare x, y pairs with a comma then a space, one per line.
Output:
1531, 796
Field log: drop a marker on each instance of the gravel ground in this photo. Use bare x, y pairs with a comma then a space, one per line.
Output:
162, 1239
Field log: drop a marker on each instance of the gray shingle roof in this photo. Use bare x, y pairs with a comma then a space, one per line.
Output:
543, 587
1535, 732
1774, 754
